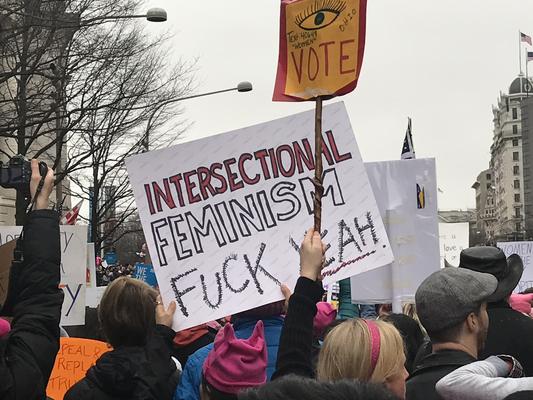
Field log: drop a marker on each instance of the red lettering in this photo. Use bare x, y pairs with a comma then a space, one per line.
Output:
260, 155
309, 64
326, 56
175, 179
338, 157
244, 157
273, 163
223, 185
149, 199
290, 171
204, 177
189, 185
298, 70
326, 153
166, 196
343, 57
233, 184
307, 159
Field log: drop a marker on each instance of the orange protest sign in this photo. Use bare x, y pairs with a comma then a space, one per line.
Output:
74, 358
321, 48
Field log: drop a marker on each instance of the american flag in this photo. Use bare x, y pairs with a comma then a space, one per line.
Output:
525, 38
408, 150
70, 217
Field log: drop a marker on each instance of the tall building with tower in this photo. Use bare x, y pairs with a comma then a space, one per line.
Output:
501, 200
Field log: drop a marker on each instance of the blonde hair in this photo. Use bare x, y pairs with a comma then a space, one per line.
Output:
346, 353
409, 309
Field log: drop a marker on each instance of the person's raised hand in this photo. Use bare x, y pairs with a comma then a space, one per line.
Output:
311, 255
41, 203
162, 316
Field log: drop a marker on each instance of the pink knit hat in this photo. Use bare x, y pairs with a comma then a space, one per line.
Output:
5, 327
521, 302
237, 364
325, 315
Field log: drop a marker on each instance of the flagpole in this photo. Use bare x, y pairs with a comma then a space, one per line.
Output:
527, 79
520, 52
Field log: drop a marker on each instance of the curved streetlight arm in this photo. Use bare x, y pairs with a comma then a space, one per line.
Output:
241, 87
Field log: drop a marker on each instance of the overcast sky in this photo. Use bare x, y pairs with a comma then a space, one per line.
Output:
441, 62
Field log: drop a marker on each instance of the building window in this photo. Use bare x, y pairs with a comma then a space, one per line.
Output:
515, 156
517, 211
517, 197
515, 142
517, 184
516, 169
515, 129
515, 113
489, 177
518, 227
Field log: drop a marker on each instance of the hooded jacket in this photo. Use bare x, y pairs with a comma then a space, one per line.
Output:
132, 372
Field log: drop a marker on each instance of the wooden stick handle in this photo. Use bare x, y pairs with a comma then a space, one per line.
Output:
319, 188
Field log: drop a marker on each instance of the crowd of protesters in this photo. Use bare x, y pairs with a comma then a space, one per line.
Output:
107, 274
466, 337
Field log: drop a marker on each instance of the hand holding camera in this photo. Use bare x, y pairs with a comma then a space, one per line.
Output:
38, 170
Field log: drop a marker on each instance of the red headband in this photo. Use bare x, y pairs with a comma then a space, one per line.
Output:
375, 344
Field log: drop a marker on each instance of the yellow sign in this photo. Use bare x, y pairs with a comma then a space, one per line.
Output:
321, 48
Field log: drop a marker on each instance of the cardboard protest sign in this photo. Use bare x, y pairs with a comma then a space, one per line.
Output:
6, 258
453, 239
525, 251
412, 231
224, 216
73, 268
145, 273
321, 47
74, 358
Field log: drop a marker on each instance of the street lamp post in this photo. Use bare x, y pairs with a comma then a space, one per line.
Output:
241, 87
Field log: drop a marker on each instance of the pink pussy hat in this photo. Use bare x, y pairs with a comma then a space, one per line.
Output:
237, 364
521, 302
325, 315
5, 327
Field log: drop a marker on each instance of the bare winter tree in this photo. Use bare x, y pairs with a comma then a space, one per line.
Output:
85, 89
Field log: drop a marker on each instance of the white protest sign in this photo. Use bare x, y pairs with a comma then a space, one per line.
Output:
73, 269
525, 251
406, 193
453, 239
224, 216
91, 266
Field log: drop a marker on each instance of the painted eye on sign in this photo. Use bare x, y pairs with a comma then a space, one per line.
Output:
321, 48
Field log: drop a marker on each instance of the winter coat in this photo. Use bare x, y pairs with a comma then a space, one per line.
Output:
28, 352
510, 332
189, 387
132, 372
482, 380
431, 369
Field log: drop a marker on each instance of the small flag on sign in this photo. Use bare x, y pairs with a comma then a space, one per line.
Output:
525, 38
408, 150
71, 216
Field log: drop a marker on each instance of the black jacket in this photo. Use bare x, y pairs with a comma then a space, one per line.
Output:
295, 352
510, 332
28, 353
132, 372
433, 367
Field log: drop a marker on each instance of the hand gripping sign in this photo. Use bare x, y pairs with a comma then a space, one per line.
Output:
321, 48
